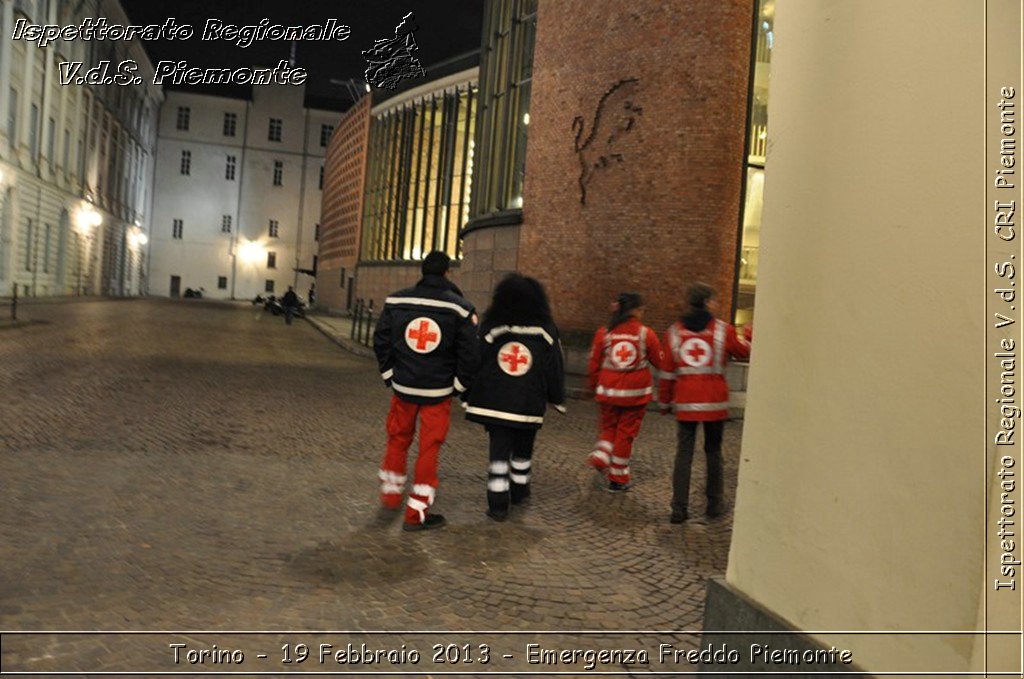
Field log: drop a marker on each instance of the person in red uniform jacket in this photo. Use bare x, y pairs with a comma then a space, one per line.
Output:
426, 347
699, 346
621, 381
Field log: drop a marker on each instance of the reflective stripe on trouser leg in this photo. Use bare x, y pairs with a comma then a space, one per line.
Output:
629, 422
501, 444
521, 462
401, 427
520, 471
434, 422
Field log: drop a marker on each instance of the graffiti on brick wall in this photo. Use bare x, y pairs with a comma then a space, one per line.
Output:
616, 115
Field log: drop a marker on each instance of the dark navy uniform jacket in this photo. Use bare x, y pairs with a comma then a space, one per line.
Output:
521, 371
426, 343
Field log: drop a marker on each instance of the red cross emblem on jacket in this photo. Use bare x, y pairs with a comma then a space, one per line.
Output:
624, 354
695, 352
515, 359
423, 335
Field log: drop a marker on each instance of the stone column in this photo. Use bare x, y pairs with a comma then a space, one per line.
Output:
861, 498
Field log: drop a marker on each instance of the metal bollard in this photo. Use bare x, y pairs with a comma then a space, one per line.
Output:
14, 304
369, 324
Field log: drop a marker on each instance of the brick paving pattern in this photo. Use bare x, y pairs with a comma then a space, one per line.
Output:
202, 466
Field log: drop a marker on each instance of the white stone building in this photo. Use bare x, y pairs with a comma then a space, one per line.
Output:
237, 192
75, 160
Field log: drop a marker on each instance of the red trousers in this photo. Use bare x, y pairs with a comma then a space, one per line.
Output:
401, 426
619, 426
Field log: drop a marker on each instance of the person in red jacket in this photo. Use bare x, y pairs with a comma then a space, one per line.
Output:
621, 381
699, 346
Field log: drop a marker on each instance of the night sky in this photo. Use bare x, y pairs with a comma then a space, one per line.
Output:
446, 28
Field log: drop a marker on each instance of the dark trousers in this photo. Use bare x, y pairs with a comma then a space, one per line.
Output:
508, 475
686, 440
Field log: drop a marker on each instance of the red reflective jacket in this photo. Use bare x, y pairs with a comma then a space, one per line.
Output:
695, 381
618, 370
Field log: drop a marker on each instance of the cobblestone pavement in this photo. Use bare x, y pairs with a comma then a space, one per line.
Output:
175, 466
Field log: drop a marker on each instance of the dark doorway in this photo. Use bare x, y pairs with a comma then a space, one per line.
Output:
348, 302
175, 286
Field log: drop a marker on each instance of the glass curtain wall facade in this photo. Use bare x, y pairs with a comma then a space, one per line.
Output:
419, 177
758, 146
506, 71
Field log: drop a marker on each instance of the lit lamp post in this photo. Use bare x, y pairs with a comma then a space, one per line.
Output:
86, 219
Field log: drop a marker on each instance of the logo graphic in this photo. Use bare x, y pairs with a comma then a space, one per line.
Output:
422, 335
695, 353
390, 59
616, 115
515, 359
623, 354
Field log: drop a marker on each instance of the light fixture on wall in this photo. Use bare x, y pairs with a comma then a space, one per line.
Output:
251, 252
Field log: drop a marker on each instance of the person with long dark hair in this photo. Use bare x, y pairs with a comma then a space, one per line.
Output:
521, 372
620, 377
700, 346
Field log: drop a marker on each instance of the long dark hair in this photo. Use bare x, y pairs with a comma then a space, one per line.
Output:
518, 300
624, 305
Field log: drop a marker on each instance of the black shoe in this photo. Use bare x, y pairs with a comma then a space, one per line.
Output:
433, 521
678, 516
616, 487
715, 509
497, 516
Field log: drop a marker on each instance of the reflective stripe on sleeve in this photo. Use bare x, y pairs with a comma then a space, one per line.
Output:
700, 407
425, 301
428, 393
502, 415
386, 375
458, 386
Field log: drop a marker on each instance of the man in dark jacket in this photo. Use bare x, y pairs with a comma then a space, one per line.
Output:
289, 304
426, 348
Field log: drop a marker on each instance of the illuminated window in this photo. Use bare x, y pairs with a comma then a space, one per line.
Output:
418, 181
506, 74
